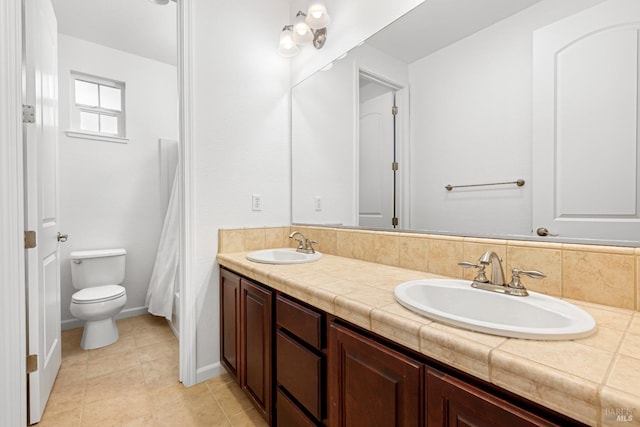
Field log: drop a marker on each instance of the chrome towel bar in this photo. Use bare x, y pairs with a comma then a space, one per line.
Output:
519, 183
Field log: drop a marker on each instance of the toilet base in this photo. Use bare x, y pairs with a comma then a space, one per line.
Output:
99, 333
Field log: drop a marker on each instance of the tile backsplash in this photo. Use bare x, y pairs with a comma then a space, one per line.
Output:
600, 274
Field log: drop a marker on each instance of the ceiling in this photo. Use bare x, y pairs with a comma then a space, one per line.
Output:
139, 27
438, 23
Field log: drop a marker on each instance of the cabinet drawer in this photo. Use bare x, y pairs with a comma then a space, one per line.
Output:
289, 415
302, 322
299, 371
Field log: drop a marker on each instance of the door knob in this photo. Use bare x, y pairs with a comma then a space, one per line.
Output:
543, 231
62, 237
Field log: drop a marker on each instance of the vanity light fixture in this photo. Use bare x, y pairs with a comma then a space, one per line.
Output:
287, 47
302, 33
317, 16
308, 28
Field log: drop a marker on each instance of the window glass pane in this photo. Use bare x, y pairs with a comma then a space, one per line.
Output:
110, 98
89, 121
108, 124
86, 93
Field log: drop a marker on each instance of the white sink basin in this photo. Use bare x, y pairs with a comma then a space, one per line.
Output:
455, 302
282, 256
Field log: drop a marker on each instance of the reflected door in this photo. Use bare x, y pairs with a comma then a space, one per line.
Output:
376, 178
586, 152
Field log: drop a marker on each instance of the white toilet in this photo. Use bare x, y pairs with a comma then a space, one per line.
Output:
97, 275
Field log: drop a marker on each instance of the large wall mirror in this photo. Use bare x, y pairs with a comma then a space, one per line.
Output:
539, 97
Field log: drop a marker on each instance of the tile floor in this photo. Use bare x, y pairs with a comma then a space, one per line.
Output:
134, 382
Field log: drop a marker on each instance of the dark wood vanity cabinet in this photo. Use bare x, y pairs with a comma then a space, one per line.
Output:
246, 320
256, 334
371, 384
452, 402
303, 367
230, 321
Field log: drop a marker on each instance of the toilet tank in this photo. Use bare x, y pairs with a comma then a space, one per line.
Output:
97, 268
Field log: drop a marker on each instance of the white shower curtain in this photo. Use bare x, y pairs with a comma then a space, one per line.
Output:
164, 276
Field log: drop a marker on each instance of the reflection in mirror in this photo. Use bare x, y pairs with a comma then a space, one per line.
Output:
462, 72
377, 140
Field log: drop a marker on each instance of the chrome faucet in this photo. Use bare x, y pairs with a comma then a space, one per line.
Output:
497, 273
304, 245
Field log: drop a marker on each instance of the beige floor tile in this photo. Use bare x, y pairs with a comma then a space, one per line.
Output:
248, 418
145, 337
65, 399
231, 398
111, 363
167, 395
134, 383
175, 415
128, 405
66, 419
123, 344
221, 379
161, 372
114, 383
143, 421
71, 343
158, 350
207, 412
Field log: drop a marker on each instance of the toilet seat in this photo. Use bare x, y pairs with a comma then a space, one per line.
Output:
98, 294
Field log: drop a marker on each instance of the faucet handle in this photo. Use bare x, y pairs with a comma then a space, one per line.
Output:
481, 276
534, 274
467, 264
515, 282
310, 244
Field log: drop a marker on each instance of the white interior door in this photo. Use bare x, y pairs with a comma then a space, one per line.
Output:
376, 155
586, 121
41, 201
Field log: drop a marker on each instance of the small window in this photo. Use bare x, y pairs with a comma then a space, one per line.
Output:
97, 106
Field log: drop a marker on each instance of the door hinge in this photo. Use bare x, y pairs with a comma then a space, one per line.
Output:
394, 166
29, 239
28, 114
394, 110
32, 363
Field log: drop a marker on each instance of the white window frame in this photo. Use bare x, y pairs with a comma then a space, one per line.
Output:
75, 109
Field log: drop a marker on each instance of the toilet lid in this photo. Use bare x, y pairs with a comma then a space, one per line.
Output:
98, 294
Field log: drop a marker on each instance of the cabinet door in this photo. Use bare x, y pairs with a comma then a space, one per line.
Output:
230, 321
452, 402
256, 325
371, 384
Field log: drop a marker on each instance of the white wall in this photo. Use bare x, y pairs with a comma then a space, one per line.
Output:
471, 108
110, 192
352, 22
241, 139
242, 125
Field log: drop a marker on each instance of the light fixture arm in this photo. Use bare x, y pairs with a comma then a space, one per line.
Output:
319, 37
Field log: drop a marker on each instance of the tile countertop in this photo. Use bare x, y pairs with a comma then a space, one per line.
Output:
593, 379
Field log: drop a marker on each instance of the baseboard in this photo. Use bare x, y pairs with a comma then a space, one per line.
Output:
210, 371
129, 312
175, 330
